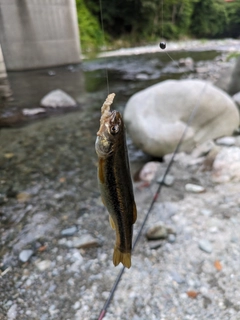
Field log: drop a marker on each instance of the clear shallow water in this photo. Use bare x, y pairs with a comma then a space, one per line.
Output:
87, 82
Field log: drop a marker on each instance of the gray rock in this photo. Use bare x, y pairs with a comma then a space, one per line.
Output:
157, 231
226, 166
203, 149
85, 241
194, 188
57, 98
206, 212
155, 244
177, 277
205, 246
12, 312
32, 112
156, 117
226, 141
149, 171
171, 238
69, 231
236, 99
25, 255
43, 265
168, 181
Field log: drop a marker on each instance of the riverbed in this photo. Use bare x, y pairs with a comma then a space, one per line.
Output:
48, 185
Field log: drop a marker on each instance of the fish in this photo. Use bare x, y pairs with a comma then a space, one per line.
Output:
115, 181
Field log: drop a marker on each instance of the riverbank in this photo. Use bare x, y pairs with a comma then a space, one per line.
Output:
225, 45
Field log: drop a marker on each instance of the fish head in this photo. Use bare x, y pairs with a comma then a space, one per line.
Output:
109, 133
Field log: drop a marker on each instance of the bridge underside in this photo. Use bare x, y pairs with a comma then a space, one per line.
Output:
39, 33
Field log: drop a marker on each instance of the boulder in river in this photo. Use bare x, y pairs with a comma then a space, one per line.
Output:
156, 117
57, 98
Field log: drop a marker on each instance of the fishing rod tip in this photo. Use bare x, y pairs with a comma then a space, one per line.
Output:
102, 314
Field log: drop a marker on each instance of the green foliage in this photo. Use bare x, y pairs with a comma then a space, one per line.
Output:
136, 22
209, 18
233, 12
91, 35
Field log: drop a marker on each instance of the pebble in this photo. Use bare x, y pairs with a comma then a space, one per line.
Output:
69, 231
205, 246
171, 238
149, 171
43, 265
168, 181
206, 212
76, 305
155, 244
226, 141
157, 231
194, 188
177, 277
25, 255
85, 241
12, 312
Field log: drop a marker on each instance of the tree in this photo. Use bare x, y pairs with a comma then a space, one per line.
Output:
233, 12
91, 35
209, 18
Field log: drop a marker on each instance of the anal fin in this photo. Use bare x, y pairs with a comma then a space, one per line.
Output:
112, 224
124, 258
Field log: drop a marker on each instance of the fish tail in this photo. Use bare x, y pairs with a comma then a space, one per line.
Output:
124, 258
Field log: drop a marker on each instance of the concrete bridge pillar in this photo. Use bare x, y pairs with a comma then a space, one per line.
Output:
5, 91
39, 33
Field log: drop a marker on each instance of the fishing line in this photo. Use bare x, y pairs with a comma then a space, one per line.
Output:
104, 42
154, 199
159, 188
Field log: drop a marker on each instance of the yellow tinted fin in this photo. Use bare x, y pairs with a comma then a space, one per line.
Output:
124, 258
134, 213
112, 223
100, 170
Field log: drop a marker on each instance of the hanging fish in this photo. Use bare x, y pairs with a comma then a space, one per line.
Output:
115, 181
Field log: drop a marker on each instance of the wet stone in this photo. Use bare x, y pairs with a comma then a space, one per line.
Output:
205, 246
25, 255
69, 231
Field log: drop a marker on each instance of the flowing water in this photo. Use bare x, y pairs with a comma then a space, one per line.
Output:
87, 83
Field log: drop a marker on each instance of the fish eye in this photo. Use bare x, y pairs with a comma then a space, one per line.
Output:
114, 129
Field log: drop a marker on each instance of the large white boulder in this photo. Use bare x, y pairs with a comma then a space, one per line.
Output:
156, 117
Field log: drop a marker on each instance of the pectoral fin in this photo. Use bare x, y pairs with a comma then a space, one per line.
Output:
112, 223
100, 170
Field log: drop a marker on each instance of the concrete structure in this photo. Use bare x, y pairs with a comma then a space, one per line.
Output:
5, 91
39, 33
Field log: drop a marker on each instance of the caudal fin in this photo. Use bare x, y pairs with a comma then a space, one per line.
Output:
124, 258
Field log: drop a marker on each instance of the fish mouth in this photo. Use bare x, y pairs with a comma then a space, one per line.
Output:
108, 119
